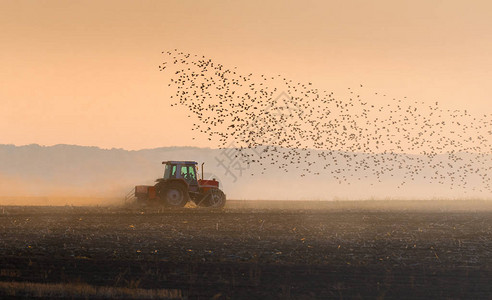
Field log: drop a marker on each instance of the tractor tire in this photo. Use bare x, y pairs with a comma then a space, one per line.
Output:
214, 198
174, 195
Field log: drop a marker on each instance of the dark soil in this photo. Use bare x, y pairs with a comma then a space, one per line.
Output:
253, 253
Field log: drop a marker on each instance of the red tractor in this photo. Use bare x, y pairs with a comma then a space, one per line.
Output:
179, 185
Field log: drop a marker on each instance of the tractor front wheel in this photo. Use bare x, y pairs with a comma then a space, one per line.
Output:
214, 198
174, 195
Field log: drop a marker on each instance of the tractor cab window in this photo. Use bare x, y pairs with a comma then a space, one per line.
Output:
188, 173
191, 173
184, 172
170, 171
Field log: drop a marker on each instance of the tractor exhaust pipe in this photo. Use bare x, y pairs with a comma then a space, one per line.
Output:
202, 169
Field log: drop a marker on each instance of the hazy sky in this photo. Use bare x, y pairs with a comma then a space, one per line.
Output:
86, 72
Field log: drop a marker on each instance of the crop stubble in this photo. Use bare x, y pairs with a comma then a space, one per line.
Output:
302, 251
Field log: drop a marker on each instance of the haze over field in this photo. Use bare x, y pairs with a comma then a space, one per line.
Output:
316, 100
64, 171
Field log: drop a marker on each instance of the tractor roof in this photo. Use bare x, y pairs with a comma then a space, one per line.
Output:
179, 162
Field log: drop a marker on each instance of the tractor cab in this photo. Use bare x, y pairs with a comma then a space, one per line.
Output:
185, 170
180, 169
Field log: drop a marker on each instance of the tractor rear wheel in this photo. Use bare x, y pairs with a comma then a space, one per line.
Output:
214, 198
174, 195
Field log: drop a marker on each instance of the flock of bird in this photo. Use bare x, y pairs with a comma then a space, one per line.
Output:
273, 121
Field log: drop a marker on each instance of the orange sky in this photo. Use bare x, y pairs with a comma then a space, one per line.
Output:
86, 72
